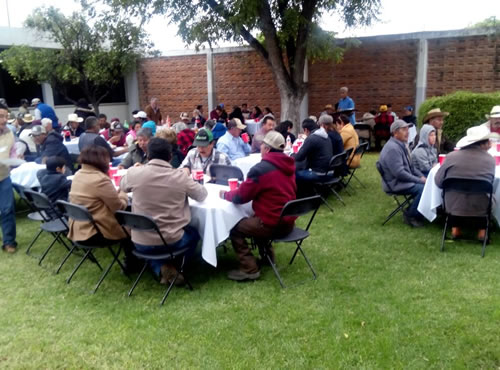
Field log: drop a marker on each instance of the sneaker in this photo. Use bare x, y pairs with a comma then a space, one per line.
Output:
239, 275
9, 248
413, 222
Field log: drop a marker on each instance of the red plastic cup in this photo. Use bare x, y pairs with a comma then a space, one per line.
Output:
233, 184
295, 148
498, 147
299, 143
245, 137
497, 160
112, 171
197, 176
442, 157
116, 179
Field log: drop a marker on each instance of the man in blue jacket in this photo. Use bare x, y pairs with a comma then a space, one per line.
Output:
43, 110
399, 176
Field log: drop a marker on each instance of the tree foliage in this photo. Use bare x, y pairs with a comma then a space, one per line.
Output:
95, 51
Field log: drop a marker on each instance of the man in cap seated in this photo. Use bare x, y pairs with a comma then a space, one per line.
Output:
472, 161
51, 145
231, 143
270, 184
204, 155
267, 124
399, 175
436, 118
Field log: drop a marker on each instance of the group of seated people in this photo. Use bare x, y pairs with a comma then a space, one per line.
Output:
405, 172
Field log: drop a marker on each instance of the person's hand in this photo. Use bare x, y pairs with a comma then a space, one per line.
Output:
137, 164
120, 167
222, 193
114, 139
423, 179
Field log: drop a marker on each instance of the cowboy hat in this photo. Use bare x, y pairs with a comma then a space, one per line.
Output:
367, 116
73, 117
495, 112
28, 118
328, 106
475, 134
433, 113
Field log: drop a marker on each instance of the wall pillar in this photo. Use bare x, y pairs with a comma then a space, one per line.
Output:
421, 83
132, 91
304, 106
211, 94
47, 94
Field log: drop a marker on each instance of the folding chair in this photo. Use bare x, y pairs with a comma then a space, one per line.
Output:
80, 213
34, 215
360, 150
469, 187
222, 173
295, 208
334, 177
395, 195
51, 222
147, 224
360, 127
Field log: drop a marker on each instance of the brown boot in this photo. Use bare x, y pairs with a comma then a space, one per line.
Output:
455, 233
9, 248
168, 273
481, 235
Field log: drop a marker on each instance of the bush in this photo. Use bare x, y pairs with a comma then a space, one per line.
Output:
466, 109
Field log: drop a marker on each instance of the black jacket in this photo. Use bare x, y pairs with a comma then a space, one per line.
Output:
54, 184
53, 146
316, 152
337, 143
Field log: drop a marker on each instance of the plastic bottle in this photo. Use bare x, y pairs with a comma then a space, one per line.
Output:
288, 143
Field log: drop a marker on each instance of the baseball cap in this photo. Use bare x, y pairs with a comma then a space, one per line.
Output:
38, 130
184, 116
409, 108
140, 114
275, 140
35, 101
203, 138
399, 123
117, 126
235, 122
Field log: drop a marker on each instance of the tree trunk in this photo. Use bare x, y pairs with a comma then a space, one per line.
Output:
290, 108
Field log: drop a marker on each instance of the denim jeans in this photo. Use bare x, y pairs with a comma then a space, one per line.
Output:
190, 240
416, 191
8, 212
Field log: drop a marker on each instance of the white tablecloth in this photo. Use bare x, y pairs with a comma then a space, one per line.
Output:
25, 174
245, 163
432, 196
252, 126
72, 145
214, 218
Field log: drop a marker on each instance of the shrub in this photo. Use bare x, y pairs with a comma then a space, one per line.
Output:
466, 109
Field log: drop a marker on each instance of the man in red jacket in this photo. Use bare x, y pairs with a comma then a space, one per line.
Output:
270, 184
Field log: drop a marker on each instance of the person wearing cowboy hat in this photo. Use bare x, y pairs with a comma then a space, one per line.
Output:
472, 161
436, 118
74, 126
493, 123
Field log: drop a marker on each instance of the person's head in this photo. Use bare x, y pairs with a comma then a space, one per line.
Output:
24, 103
55, 164
244, 106
268, 124
136, 125
343, 92
159, 149
35, 102
200, 108
494, 119
257, 111
399, 130
341, 120
91, 124
272, 142
477, 136
389, 108
218, 109
141, 115
95, 156
329, 109
234, 127
210, 124
118, 129
408, 110
184, 117
309, 126
143, 137
435, 118
154, 103
39, 134
167, 134
290, 125
4, 116
151, 125
427, 135
268, 110
74, 120
103, 121
82, 103
47, 124
326, 121
204, 143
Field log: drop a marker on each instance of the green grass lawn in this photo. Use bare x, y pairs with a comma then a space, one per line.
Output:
385, 297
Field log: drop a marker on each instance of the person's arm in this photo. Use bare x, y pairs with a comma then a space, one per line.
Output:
222, 147
38, 114
246, 147
195, 190
246, 192
301, 155
417, 159
187, 163
397, 169
127, 161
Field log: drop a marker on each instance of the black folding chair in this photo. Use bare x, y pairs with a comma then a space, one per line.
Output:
360, 150
80, 213
51, 222
147, 224
395, 195
222, 173
334, 177
468, 187
295, 208
33, 214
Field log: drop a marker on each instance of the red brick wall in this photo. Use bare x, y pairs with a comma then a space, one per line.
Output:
244, 77
179, 83
465, 63
375, 72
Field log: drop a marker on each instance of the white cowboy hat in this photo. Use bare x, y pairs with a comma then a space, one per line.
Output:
73, 117
475, 134
495, 112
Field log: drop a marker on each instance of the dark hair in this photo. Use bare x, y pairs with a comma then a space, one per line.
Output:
236, 113
259, 111
210, 124
96, 156
3, 106
244, 104
199, 107
134, 112
159, 148
102, 115
477, 144
374, 112
268, 110
309, 124
282, 128
136, 122
265, 119
344, 119
54, 162
82, 103
23, 101
90, 122
231, 124
389, 105
289, 123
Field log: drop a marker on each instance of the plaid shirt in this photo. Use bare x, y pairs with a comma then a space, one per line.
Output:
194, 160
185, 139
383, 124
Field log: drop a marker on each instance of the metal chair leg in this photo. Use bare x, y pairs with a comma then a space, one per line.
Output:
273, 265
358, 180
337, 195
65, 259
326, 203
78, 265
486, 237
138, 278
169, 289
308, 263
444, 233
33, 241
108, 269
47, 250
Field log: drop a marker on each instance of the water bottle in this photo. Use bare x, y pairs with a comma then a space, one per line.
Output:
288, 143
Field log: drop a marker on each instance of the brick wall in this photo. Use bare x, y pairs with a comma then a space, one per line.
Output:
376, 73
179, 83
465, 63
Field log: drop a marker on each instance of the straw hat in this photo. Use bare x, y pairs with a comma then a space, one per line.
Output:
433, 113
73, 117
367, 116
28, 118
495, 112
475, 134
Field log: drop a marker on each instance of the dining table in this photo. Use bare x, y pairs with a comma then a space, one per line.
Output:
245, 163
